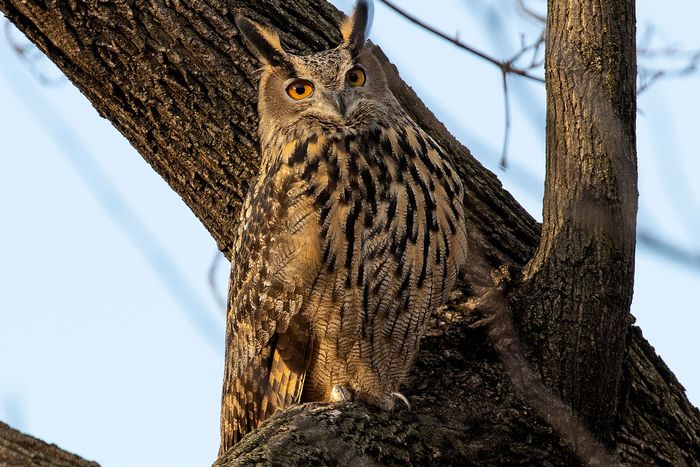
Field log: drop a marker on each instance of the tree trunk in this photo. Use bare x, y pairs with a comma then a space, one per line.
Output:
176, 80
576, 292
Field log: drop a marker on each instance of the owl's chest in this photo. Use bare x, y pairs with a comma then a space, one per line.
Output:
383, 200
375, 200
352, 193
366, 234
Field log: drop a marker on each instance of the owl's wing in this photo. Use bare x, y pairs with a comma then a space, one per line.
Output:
268, 342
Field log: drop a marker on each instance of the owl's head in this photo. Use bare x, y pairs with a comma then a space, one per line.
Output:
337, 89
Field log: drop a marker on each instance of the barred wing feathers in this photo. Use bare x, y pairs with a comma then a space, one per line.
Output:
276, 258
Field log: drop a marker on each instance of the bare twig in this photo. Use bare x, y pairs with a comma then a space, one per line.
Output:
677, 63
503, 65
649, 76
535, 47
503, 164
530, 13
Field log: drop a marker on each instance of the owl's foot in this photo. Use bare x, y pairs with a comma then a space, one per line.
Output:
340, 393
402, 398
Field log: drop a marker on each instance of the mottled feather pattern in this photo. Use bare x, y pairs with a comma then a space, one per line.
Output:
391, 249
353, 233
362, 234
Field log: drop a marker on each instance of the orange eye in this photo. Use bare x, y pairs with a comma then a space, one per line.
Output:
356, 77
300, 88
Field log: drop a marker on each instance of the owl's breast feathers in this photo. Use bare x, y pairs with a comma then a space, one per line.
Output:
347, 242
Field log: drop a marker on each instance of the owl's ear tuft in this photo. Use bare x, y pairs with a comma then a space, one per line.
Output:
355, 28
264, 41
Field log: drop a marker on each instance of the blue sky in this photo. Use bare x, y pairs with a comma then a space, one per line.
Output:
111, 339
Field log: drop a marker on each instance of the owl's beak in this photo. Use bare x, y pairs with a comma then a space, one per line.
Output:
340, 103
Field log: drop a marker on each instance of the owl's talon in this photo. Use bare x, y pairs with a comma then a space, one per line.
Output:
402, 398
340, 393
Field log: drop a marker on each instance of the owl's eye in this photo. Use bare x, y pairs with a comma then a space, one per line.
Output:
300, 89
356, 77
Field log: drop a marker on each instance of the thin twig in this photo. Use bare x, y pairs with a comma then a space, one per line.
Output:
503, 164
503, 65
534, 63
649, 76
686, 62
535, 46
530, 13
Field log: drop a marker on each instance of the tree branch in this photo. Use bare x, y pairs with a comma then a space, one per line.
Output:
18, 449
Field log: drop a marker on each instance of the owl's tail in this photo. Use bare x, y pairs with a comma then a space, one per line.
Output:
272, 382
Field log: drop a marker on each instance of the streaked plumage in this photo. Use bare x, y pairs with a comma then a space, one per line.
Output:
351, 236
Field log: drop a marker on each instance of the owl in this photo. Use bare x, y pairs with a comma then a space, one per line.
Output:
352, 234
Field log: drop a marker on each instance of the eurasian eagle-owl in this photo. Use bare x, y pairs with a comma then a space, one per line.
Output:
351, 236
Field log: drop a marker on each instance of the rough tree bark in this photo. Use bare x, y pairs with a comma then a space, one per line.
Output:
176, 80
574, 300
18, 449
